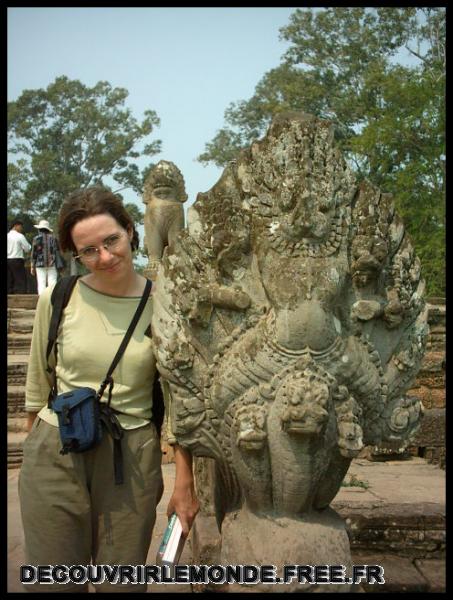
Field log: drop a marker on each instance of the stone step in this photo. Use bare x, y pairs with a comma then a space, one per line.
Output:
17, 369
15, 453
20, 320
16, 439
430, 438
430, 397
16, 401
14, 460
22, 301
17, 424
409, 530
404, 575
19, 343
17, 359
433, 362
20, 327
436, 343
436, 313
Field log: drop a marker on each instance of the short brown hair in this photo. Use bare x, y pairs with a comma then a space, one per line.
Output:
89, 202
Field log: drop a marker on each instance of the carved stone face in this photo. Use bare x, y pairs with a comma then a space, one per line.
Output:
305, 402
250, 422
350, 438
165, 182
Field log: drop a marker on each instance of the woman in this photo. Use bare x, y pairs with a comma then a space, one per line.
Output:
44, 256
72, 511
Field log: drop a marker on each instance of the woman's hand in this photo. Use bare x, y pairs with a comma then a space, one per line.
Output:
184, 500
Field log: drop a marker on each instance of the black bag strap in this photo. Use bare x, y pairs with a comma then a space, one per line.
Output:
138, 313
108, 417
110, 421
59, 300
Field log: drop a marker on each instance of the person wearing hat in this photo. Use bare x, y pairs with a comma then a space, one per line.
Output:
17, 246
45, 255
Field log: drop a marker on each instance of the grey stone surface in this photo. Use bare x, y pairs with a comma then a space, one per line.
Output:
435, 572
432, 430
400, 574
28, 301
19, 343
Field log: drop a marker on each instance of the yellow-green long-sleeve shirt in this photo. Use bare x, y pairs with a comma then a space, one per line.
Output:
91, 330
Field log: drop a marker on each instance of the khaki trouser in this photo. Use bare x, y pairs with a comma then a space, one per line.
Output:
74, 514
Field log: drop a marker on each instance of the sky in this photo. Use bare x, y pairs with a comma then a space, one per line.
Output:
187, 64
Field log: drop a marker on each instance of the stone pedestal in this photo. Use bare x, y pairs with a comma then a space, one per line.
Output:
317, 538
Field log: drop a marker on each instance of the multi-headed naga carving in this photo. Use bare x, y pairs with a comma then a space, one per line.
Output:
289, 321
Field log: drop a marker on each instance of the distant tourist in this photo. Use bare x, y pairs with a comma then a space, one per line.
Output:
17, 246
45, 256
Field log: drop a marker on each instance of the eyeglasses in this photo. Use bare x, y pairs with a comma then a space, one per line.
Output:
91, 253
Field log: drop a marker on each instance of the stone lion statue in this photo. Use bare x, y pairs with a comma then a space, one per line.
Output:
164, 194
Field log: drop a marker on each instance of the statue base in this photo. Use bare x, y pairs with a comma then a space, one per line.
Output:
317, 538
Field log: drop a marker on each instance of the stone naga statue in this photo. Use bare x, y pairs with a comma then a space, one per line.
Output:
164, 194
288, 323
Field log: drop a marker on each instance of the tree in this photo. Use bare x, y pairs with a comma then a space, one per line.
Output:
343, 65
70, 136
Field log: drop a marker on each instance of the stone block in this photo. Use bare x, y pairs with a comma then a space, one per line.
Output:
19, 343
430, 397
412, 531
17, 373
16, 399
206, 543
437, 341
20, 320
435, 572
432, 429
205, 540
433, 362
28, 301
431, 380
436, 312
17, 424
400, 574
435, 456
204, 473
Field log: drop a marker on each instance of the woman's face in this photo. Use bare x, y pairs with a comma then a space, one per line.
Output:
103, 246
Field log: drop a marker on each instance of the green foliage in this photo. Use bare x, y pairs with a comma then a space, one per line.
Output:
342, 65
135, 213
70, 136
351, 480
